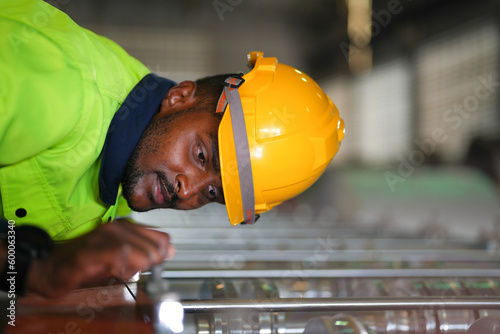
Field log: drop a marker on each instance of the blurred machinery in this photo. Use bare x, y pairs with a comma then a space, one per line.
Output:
289, 276
422, 306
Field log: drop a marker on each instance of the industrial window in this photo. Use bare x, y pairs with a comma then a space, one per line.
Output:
382, 112
455, 94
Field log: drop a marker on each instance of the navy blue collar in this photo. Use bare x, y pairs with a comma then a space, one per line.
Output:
126, 129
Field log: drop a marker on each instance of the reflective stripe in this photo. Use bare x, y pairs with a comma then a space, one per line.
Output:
242, 149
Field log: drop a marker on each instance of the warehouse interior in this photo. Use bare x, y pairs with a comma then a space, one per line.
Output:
402, 232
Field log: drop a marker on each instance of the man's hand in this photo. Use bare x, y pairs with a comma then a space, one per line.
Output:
116, 249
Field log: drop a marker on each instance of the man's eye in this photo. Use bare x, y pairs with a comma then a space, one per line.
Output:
212, 192
201, 156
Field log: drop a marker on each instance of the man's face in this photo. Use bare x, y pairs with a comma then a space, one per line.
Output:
176, 164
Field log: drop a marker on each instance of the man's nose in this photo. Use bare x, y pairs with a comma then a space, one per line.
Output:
188, 187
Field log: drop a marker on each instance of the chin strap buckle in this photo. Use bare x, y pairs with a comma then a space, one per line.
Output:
231, 83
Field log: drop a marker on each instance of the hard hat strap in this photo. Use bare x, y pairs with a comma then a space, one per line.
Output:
232, 97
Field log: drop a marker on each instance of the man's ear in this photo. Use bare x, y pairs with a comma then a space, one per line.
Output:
179, 97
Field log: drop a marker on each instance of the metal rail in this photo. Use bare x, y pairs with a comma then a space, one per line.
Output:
332, 273
339, 304
322, 255
286, 231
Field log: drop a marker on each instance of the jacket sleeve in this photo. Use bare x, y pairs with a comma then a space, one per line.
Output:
38, 81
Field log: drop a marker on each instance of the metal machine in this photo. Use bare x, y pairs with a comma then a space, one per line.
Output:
287, 277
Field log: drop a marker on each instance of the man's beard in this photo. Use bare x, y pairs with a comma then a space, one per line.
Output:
131, 176
148, 144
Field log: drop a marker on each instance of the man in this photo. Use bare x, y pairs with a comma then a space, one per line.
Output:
83, 122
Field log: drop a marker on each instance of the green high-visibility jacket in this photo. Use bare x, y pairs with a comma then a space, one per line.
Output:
60, 86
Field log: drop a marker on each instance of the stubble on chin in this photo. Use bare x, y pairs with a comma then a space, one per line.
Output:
147, 146
130, 179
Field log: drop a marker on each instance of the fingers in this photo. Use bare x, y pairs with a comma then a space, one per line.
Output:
137, 248
119, 249
156, 243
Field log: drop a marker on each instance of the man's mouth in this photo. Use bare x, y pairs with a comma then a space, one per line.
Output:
160, 193
167, 196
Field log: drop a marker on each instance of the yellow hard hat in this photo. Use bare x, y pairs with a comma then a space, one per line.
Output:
278, 133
